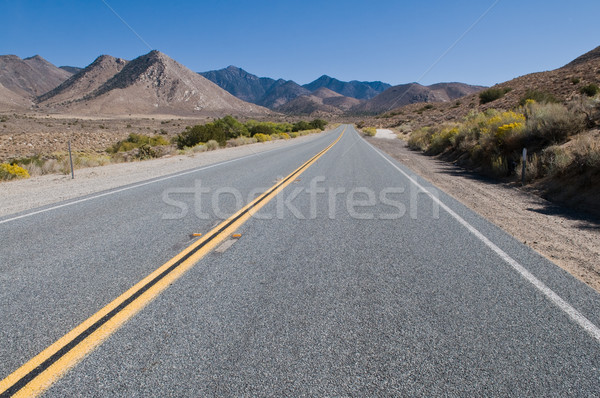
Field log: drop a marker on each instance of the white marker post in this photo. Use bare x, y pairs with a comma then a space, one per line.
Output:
71, 161
524, 166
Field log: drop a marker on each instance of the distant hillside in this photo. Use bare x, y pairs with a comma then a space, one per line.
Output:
274, 93
321, 102
9, 100
71, 69
244, 85
150, 84
353, 89
30, 77
85, 82
262, 91
406, 94
585, 58
281, 92
563, 84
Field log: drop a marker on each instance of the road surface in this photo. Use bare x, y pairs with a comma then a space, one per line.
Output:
351, 277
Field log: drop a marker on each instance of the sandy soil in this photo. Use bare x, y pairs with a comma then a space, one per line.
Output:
386, 134
20, 195
570, 240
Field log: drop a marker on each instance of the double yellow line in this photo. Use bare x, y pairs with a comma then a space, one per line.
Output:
38, 374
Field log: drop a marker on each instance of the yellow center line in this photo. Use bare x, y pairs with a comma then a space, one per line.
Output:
40, 372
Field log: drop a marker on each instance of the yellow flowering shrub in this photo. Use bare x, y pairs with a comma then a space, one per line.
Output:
370, 131
262, 137
12, 171
443, 139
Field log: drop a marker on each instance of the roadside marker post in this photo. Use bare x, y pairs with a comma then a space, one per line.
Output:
71, 161
524, 166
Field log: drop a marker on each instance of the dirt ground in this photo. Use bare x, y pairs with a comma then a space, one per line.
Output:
569, 239
28, 134
21, 195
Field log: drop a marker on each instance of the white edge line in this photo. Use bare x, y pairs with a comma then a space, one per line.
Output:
575, 315
137, 185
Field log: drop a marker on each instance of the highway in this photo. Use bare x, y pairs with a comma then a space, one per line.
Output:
347, 275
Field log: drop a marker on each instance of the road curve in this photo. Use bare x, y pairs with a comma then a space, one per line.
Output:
357, 278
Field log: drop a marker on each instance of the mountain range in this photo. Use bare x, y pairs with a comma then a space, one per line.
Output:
150, 84
276, 93
288, 97
30, 77
156, 84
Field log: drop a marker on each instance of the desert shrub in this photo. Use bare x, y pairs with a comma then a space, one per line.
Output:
420, 139
551, 123
318, 124
193, 150
82, 159
284, 136
555, 160
493, 132
201, 133
145, 152
575, 80
370, 131
307, 132
442, 139
590, 90
232, 127
500, 166
211, 145
262, 137
12, 171
294, 134
301, 125
586, 153
537, 96
241, 141
312, 125
533, 169
136, 141
226, 129
492, 94
589, 107
55, 166
264, 129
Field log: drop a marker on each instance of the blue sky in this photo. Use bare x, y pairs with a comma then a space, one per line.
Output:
393, 41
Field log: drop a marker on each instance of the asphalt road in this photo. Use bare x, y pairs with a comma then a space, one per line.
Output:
352, 281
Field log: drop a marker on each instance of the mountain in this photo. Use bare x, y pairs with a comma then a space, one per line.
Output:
406, 94
354, 88
85, 82
320, 102
9, 100
563, 85
262, 91
244, 85
274, 93
30, 77
282, 91
71, 69
150, 84
585, 58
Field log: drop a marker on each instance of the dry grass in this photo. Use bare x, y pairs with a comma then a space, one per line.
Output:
370, 131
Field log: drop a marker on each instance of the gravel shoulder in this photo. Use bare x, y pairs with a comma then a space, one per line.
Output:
570, 240
21, 195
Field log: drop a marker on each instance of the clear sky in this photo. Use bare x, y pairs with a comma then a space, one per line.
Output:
393, 41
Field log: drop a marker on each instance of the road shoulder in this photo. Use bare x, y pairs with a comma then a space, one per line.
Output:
567, 239
21, 195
